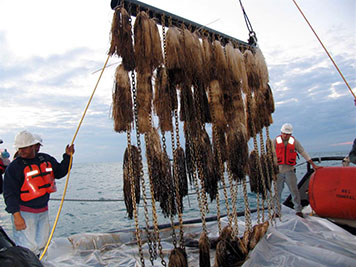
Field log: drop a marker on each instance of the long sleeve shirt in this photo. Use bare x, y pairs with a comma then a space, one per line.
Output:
283, 168
14, 179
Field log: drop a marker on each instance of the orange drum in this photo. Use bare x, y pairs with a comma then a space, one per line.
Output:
332, 192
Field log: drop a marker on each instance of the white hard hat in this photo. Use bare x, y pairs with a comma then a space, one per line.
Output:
287, 128
24, 139
38, 138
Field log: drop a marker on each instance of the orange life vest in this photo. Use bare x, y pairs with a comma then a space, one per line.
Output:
38, 181
2, 167
286, 154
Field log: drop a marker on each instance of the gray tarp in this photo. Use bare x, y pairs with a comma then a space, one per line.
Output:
294, 241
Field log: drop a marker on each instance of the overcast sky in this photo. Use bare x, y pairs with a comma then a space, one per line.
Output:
50, 52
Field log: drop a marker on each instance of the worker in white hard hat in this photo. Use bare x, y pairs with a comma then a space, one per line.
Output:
39, 142
287, 148
28, 182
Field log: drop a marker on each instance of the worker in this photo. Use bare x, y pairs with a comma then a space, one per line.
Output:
286, 150
28, 181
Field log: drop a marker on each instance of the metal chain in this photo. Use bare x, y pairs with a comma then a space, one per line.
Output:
134, 93
221, 167
171, 217
178, 198
163, 138
261, 177
164, 40
274, 176
233, 194
154, 210
195, 179
267, 194
247, 206
258, 186
174, 149
221, 164
133, 199
199, 167
222, 172
142, 260
200, 193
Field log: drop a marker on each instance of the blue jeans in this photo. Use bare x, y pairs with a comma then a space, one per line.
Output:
36, 234
291, 180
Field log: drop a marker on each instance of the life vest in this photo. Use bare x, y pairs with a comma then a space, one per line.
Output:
2, 167
38, 181
286, 154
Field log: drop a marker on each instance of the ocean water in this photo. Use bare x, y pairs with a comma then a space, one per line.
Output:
95, 200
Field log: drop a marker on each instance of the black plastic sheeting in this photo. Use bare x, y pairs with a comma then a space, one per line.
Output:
15, 256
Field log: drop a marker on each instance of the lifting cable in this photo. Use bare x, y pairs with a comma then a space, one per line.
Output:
253, 38
71, 160
332, 60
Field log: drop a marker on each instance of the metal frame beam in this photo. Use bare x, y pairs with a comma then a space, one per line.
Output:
133, 7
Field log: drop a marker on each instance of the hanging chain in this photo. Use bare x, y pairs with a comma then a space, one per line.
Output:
134, 91
164, 40
222, 172
178, 198
174, 149
267, 194
201, 197
221, 167
247, 206
261, 177
274, 175
220, 162
258, 184
199, 193
164, 138
154, 210
133, 199
233, 194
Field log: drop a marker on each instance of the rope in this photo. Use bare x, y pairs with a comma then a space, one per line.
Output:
332, 60
71, 160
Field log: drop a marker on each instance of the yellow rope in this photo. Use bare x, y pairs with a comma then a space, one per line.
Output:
332, 60
71, 160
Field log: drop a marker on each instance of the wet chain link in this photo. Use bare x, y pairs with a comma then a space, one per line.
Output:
154, 211
261, 176
274, 176
174, 237
199, 193
178, 198
133, 199
233, 194
174, 149
220, 162
170, 195
221, 167
229, 216
267, 194
132, 180
247, 206
142, 179
258, 184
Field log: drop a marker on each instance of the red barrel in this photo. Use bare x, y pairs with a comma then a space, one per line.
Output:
332, 192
